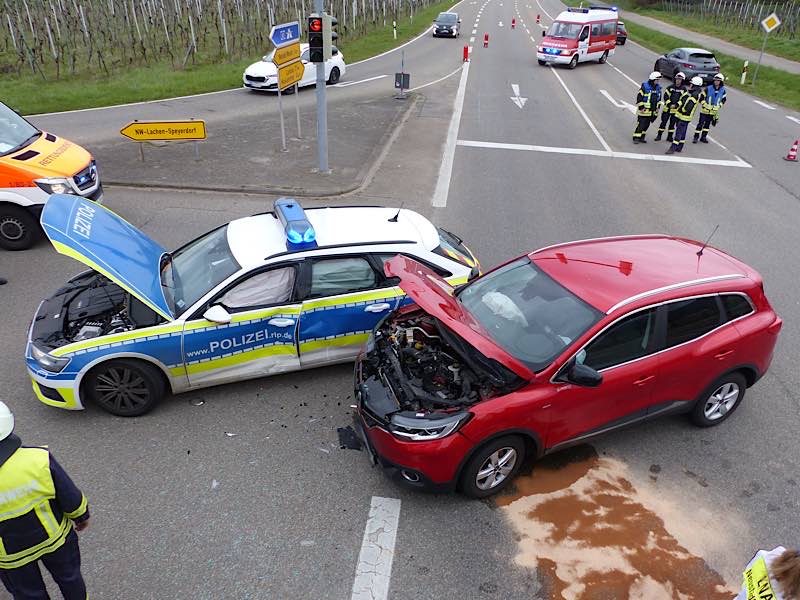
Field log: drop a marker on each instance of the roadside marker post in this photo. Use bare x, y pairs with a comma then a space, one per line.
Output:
744, 71
394, 29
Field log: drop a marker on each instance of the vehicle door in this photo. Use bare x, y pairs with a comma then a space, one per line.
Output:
583, 43
596, 43
698, 348
310, 69
346, 297
624, 354
249, 329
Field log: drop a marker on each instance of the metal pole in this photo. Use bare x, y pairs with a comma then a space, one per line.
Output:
141, 151
322, 107
283, 129
196, 151
764, 45
297, 108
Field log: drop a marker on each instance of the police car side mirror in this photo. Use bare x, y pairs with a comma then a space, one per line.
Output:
217, 314
543, 32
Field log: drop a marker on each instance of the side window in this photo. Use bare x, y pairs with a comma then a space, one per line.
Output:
382, 258
262, 289
609, 28
584, 33
736, 306
626, 340
333, 276
689, 319
596, 28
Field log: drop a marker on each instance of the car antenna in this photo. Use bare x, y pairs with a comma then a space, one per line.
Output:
700, 252
394, 218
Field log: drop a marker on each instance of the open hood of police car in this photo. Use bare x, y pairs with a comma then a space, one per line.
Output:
107, 243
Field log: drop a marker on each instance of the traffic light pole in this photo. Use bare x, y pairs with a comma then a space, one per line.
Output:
322, 107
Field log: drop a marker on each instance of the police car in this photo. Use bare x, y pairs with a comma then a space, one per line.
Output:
271, 293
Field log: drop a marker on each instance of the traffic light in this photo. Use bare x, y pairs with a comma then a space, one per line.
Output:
328, 35
315, 42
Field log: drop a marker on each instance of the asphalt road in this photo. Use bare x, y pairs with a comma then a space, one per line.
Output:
182, 509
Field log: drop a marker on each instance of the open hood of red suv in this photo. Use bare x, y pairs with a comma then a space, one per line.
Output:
436, 297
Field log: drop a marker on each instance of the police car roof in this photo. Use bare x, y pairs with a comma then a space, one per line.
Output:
253, 239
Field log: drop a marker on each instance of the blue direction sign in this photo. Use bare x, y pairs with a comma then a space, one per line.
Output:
285, 34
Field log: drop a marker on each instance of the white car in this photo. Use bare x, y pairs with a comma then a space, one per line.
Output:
280, 291
263, 75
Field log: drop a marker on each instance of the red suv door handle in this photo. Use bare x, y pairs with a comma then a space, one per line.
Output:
722, 355
644, 380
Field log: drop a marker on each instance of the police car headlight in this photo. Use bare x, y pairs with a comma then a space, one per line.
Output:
54, 186
54, 364
426, 428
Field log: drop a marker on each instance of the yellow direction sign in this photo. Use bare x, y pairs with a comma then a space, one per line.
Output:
286, 54
770, 23
290, 74
164, 131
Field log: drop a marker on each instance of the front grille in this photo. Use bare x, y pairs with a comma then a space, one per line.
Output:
256, 79
86, 178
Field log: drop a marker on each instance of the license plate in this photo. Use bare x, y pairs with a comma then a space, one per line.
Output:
548, 57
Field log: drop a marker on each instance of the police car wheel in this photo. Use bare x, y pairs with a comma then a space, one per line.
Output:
492, 467
334, 76
126, 388
18, 228
719, 400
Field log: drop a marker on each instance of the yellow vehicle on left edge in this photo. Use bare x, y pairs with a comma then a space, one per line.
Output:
33, 165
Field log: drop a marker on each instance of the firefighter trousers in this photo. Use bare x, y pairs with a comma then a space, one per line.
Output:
642, 125
703, 125
668, 122
680, 135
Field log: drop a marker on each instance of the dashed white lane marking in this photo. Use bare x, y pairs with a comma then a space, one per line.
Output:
472, 39
764, 104
349, 83
419, 87
374, 569
606, 154
795, 119
581, 111
446, 168
474, 31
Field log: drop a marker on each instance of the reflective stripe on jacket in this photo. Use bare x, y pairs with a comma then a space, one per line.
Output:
37, 501
671, 97
687, 105
711, 100
757, 580
648, 100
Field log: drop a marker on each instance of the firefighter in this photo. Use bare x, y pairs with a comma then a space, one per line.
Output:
711, 100
671, 96
773, 574
39, 507
648, 103
687, 105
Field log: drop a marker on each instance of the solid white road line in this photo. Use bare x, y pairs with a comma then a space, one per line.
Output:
419, 87
606, 154
625, 75
764, 104
446, 168
795, 119
543, 10
349, 83
580, 110
374, 569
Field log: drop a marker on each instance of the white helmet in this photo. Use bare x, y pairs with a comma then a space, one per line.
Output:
719, 77
680, 74
696, 80
654, 75
6, 421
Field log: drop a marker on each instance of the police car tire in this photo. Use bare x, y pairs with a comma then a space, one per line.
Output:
18, 218
334, 76
467, 480
698, 415
150, 375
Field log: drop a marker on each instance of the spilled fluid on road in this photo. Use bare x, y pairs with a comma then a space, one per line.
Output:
593, 535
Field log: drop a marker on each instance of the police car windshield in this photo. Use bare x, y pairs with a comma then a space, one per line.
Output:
527, 313
564, 30
15, 132
197, 268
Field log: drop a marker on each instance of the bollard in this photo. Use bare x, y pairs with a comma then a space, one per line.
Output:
466, 53
538, 19
744, 71
485, 40
513, 23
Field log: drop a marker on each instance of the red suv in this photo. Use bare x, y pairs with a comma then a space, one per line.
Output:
458, 387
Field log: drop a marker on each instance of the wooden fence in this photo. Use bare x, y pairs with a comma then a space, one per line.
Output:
52, 38
741, 13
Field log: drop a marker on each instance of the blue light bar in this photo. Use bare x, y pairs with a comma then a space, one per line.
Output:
300, 235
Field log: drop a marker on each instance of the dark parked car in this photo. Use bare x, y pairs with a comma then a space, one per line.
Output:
692, 61
622, 33
447, 24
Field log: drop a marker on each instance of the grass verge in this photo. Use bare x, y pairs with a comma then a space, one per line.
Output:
31, 95
773, 84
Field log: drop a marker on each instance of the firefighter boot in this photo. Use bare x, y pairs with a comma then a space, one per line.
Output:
696, 137
658, 136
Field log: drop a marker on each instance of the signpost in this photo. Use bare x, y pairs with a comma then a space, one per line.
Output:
165, 131
286, 58
769, 24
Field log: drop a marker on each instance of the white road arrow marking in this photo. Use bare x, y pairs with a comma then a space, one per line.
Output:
516, 98
764, 104
620, 104
795, 119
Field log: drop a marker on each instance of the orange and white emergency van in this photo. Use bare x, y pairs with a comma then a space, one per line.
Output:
33, 165
579, 35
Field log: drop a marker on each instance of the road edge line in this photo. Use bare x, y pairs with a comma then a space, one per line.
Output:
374, 568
